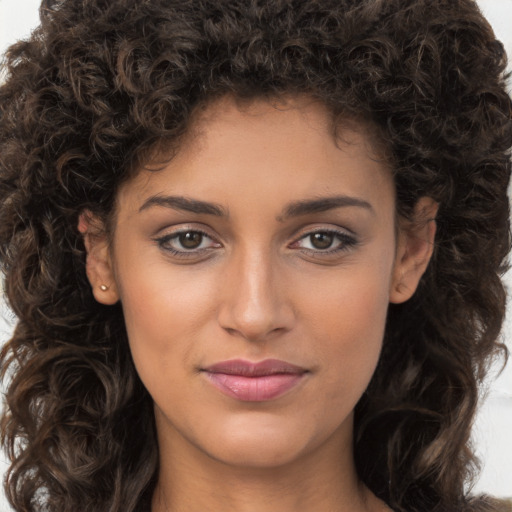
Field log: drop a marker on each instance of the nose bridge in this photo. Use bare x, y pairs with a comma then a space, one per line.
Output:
255, 303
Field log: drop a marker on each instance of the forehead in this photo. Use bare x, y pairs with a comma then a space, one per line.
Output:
282, 148
297, 111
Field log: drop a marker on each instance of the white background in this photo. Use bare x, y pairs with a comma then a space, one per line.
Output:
493, 428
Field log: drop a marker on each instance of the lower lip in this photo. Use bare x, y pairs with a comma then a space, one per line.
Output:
254, 389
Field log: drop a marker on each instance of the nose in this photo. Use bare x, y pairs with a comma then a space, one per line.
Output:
256, 303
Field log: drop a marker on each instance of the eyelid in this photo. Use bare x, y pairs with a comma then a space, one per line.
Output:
176, 229
311, 229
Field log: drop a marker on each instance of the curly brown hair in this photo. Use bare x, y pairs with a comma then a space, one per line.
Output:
101, 83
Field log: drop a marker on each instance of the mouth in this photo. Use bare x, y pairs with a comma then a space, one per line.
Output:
254, 382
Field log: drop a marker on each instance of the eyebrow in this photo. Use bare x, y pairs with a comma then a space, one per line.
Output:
323, 204
186, 204
294, 209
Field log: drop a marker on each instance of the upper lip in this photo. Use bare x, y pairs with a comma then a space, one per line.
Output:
258, 369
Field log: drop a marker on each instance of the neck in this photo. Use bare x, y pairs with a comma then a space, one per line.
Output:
324, 481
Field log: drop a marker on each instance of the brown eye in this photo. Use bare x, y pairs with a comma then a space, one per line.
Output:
190, 239
321, 240
326, 243
187, 242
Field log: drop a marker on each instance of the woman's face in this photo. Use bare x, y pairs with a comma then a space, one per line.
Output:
255, 271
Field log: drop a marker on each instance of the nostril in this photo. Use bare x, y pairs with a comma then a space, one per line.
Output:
255, 335
254, 306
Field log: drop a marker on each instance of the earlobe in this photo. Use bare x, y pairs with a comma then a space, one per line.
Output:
98, 260
414, 250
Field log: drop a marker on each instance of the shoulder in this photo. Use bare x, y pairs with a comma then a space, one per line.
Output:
479, 504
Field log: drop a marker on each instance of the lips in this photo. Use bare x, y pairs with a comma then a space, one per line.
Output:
254, 382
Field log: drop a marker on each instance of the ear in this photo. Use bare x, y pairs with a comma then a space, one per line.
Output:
98, 262
414, 250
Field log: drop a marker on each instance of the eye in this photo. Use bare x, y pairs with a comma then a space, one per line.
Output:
320, 240
190, 239
186, 241
325, 241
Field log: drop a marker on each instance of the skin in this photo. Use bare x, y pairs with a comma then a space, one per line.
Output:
258, 287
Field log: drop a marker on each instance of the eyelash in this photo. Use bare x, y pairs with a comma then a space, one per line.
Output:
165, 239
346, 242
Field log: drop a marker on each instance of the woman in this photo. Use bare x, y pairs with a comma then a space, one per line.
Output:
254, 249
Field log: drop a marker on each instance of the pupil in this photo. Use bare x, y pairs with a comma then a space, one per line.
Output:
191, 239
321, 240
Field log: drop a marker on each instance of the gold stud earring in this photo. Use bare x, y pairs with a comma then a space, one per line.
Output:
103, 287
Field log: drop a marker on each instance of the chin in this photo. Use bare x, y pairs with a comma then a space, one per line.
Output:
266, 442
258, 453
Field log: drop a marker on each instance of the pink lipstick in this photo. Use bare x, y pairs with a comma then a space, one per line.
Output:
254, 382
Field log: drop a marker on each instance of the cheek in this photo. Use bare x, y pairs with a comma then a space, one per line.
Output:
163, 309
347, 317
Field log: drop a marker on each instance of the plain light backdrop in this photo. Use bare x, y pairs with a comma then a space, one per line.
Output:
493, 428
